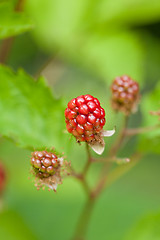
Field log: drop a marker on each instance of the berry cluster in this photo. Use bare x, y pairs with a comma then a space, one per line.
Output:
84, 117
125, 94
44, 163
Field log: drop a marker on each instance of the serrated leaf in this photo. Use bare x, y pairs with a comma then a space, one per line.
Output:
29, 113
12, 227
147, 229
12, 23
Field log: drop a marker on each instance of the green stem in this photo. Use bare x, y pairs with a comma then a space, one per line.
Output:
112, 154
134, 131
84, 220
89, 160
7, 43
118, 143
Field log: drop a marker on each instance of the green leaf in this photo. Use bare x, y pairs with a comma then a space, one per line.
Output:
147, 229
12, 227
29, 113
12, 23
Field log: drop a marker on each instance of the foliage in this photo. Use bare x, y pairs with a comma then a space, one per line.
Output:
91, 42
31, 116
146, 229
12, 227
12, 23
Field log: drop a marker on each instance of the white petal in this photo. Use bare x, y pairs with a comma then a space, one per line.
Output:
53, 186
97, 147
107, 133
60, 160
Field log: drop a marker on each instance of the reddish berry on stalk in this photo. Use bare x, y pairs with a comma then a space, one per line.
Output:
85, 117
125, 94
46, 167
2, 178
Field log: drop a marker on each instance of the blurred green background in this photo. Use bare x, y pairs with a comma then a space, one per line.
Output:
79, 47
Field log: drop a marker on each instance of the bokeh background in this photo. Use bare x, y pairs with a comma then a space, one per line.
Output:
80, 47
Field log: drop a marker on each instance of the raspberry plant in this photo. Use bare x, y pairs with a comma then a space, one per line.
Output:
33, 118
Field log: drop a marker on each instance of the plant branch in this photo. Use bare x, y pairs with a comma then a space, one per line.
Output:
8, 42
5, 49
112, 154
115, 174
135, 131
84, 219
89, 160
86, 213
114, 149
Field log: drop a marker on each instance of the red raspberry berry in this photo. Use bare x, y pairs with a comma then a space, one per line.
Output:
84, 117
125, 94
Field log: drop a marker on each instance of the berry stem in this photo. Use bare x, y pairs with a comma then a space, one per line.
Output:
111, 159
84, 219
118, 143
89, 160
7, 43
112, 154
85, 216
135, 131
5, 49
116, 174
105, 179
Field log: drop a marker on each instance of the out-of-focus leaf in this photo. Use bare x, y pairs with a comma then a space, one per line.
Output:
12, 227
113, 55
70, 28
150, 144
128, 12
147, 229
151, 103
152, 59
150, 141
12, 23
29, 113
